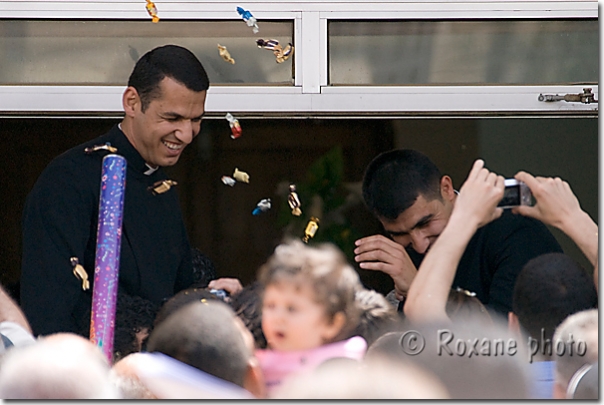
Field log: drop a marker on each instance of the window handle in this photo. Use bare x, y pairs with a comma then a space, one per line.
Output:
586, 97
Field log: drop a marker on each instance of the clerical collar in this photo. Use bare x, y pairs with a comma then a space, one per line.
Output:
150, 169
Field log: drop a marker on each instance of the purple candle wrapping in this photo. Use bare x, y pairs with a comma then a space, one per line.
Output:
107, 260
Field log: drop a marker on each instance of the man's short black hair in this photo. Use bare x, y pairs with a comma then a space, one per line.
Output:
549, 288
204, 335
394, 180
171, 61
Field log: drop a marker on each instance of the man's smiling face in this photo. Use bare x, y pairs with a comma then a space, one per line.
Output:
419, 225
169, 123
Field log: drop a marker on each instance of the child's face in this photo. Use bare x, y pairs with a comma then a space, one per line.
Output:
293, 320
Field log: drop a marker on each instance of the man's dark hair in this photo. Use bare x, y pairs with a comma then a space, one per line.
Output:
171, 61
204, 269
394, 179
204, 335
133, 315
549, 288
181, 299
247, 304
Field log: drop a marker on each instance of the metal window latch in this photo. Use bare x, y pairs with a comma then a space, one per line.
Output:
587, 97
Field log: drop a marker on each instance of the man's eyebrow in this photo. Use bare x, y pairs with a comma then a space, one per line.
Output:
423, 221
169, 114
178, 116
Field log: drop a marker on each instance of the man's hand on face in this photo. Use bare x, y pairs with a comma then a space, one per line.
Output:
377, 252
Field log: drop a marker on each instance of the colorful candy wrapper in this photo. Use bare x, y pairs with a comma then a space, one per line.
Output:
284, 54
270, 44
241, 176
161, 186
224, 53
80, 273
107, 260
234, 124
229, 181
106, 146
262, 206
281, 54
152, 10
249, 19
294, 201
311, 229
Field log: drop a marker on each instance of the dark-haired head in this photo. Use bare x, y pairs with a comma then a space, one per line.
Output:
394, 179
549, 288
171, 61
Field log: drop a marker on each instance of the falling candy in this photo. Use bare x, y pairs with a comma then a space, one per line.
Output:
162, 186
466, 292
262, 206
229, 181
284, 55
106, 146
311, 229
281, 54
152, 10
80, 273
249, 19
224, 53
270, 44
294, 201
241, 176
234, 124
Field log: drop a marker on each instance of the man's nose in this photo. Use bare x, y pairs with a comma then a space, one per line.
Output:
186, 131
419, 241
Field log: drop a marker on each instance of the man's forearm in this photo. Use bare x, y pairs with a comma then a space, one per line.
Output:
428, 294
584, 232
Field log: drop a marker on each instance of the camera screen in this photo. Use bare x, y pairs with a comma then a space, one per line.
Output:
511, 196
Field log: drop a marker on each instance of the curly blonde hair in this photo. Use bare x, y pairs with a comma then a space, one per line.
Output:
325, 270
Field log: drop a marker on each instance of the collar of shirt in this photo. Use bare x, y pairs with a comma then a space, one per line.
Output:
125, 148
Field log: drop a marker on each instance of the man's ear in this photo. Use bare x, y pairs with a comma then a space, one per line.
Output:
131, 101
447, 191
254, 379
513, 323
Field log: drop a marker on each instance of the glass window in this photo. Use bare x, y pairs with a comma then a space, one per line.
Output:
463, 52
40, 52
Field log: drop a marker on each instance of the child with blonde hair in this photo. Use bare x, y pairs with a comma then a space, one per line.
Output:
308, 310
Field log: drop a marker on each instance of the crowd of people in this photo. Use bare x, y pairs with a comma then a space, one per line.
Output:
485, 303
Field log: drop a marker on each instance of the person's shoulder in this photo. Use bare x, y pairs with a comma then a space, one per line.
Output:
519, 229
76, 160
74, 170
510, 221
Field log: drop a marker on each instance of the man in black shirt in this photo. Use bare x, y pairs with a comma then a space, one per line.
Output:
163, 104
413, 201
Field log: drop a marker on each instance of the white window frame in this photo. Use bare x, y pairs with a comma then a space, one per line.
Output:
310, 95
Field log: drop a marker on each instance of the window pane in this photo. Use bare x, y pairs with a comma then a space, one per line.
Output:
463, 52
41, 52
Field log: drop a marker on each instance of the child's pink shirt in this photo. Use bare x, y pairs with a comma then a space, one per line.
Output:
277, 365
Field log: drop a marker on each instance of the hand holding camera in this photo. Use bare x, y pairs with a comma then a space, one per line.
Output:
555, 201
557, 205
479, 195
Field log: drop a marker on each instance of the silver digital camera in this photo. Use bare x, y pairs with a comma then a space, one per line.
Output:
516, 193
